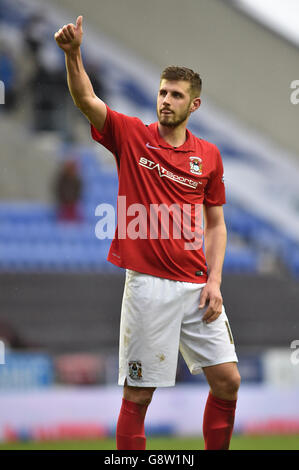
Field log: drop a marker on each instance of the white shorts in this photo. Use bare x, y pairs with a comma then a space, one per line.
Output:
159, 317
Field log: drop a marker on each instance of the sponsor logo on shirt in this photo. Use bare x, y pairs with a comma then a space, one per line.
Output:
163, 172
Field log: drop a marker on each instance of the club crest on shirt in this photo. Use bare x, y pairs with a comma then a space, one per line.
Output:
196, 165
135, 370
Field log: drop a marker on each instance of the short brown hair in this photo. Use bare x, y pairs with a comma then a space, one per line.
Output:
173, 72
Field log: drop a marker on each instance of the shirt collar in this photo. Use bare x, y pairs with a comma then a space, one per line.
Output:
188, 145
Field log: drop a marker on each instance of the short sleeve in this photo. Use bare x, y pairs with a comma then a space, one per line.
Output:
113, 132
215, 188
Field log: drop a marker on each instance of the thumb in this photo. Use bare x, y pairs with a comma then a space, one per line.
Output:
79, 22
203, 299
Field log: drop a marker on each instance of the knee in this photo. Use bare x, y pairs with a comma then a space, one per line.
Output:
140, 395
227, 387
234, 383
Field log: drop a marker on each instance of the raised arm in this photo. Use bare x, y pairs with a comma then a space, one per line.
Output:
69, 39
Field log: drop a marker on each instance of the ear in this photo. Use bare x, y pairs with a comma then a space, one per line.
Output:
195, 104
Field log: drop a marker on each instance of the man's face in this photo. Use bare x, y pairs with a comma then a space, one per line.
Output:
173, 102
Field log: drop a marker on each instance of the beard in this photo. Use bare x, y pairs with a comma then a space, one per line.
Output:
173, 119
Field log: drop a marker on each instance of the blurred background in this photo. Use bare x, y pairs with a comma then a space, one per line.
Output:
59, 298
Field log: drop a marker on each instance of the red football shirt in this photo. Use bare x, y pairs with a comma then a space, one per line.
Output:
160, 197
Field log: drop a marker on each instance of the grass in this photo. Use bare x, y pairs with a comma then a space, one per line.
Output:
275, 442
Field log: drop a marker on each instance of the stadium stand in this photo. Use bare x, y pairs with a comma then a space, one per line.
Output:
31, 239
60, 299
33, 242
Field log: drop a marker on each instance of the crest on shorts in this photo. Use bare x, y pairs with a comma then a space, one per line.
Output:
135, 370
196, 165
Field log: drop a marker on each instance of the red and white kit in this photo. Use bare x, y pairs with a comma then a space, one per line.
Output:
165, 272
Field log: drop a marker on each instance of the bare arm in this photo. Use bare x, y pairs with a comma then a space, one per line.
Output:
69, 39
215, 236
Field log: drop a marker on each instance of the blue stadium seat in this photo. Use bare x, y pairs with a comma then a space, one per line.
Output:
26, 212
240, 260
136, 94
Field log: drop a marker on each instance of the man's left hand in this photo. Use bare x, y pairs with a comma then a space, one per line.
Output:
211, 294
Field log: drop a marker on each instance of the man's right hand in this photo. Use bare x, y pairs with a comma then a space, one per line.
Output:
69, 37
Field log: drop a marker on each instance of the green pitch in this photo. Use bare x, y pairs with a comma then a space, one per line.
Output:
285, 442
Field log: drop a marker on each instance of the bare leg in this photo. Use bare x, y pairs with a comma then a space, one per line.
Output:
219, 415
130, 433
224, 380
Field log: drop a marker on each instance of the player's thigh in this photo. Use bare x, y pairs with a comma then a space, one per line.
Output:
205, 344
149, 331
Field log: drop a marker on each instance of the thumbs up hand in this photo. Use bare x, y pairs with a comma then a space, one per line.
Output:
69, 37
